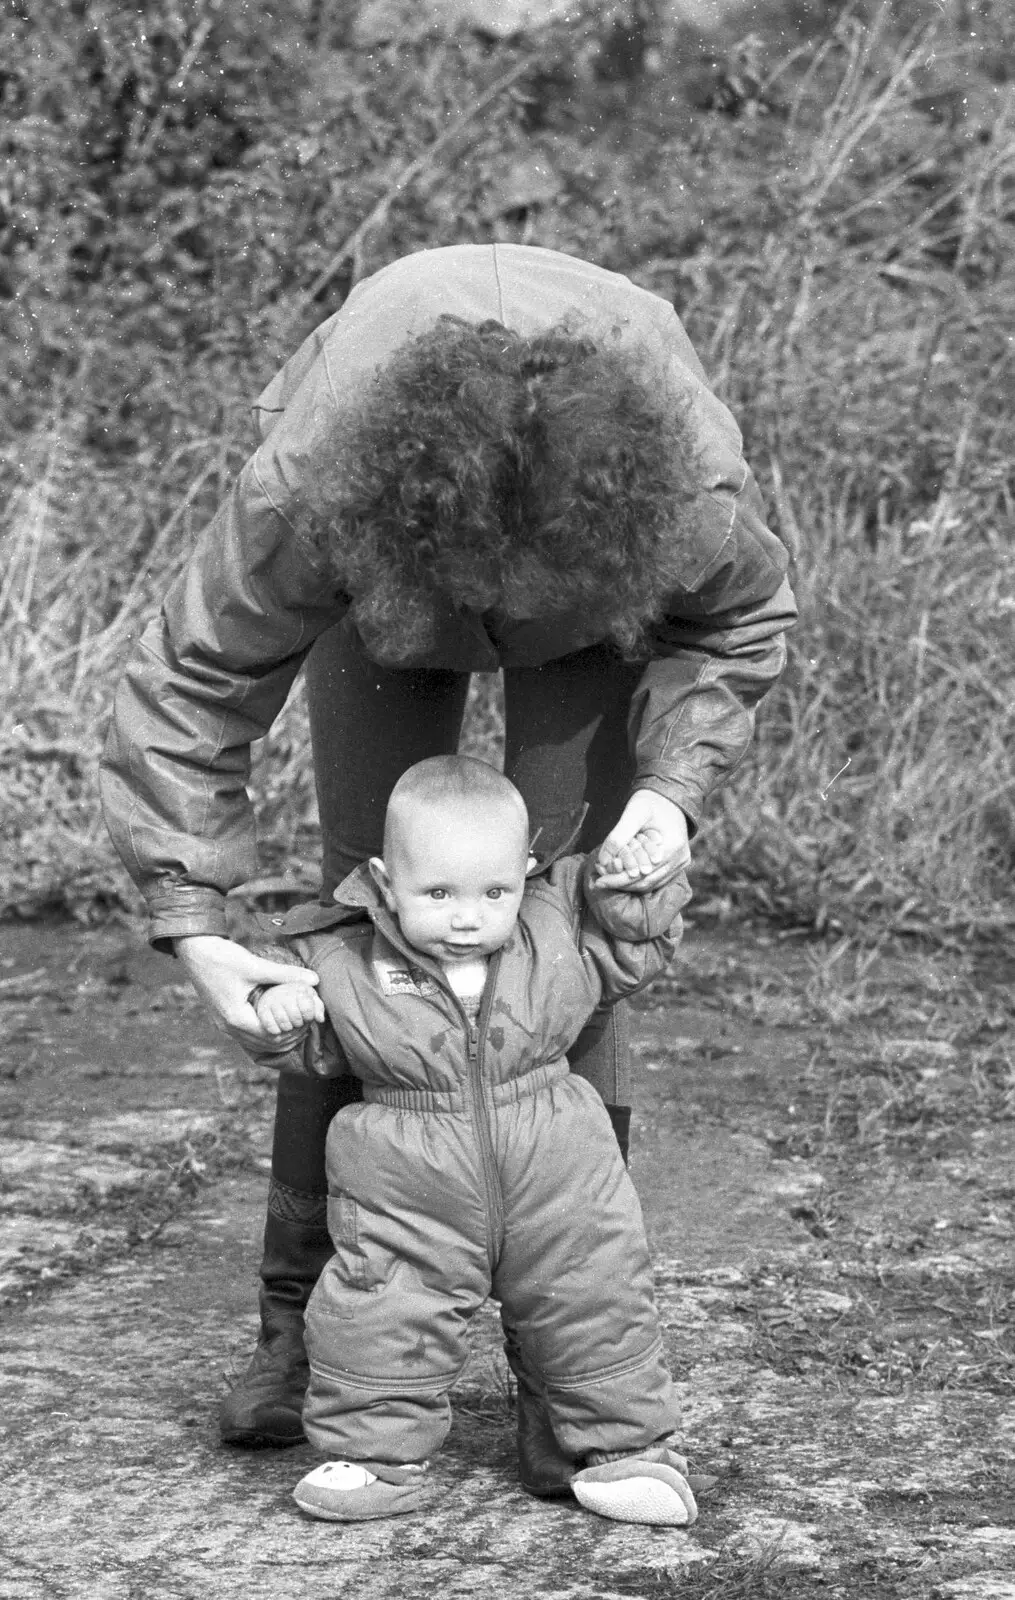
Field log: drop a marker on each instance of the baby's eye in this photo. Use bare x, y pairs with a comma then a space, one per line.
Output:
494, 894
438, 894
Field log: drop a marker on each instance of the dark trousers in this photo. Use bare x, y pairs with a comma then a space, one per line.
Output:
566, 747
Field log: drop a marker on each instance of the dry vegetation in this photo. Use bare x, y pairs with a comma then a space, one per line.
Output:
831, 209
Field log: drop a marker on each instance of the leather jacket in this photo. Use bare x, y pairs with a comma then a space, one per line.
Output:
213, 669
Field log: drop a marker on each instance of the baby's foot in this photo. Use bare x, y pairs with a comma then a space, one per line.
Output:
650, 1488
344, 1491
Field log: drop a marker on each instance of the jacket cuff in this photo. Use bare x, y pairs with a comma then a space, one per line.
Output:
687, 796
182, 911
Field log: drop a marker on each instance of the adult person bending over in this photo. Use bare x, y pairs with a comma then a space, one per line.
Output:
492, 456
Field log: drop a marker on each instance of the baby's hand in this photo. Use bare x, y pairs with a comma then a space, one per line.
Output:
647, 848
286, 1010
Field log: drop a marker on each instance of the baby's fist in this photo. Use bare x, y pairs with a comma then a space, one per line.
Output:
288, 1009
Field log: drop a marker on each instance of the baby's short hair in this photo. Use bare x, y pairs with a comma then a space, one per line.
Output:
451, 778
454, 778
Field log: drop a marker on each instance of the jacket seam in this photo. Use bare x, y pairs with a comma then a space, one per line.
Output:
256, 471
735, 494
327, 373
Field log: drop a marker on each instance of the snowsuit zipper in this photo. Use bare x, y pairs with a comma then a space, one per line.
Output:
474, 1087
481, 1118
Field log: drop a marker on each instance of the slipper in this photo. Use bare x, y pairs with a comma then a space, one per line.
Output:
343, 1491
648, 1489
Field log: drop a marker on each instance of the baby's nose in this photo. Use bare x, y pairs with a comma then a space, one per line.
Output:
466, 916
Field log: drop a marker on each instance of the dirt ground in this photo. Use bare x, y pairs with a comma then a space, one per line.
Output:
824, 1149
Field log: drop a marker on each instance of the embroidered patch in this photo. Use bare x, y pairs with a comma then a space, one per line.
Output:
406, 980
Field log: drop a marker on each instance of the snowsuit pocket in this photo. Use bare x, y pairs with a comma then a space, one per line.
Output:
360, 1264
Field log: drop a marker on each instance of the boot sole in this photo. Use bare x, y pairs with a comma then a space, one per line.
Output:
276, 1429
240, 1439
544, 1491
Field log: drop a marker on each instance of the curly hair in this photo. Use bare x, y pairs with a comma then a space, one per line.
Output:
494, 471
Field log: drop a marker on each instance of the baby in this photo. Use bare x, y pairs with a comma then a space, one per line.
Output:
454, 977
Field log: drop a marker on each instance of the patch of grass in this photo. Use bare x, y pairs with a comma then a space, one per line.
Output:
488, 1395
887, 1327
732, 1574
985, 1504
917, 1081
835, 225
908, 1054
897, 1111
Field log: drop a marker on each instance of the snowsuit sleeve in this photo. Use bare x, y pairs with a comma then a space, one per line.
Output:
625, 939
318, 1052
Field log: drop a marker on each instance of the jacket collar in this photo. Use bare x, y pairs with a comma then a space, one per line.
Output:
359, 892
554, 851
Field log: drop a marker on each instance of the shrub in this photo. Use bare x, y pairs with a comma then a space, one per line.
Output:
834, 222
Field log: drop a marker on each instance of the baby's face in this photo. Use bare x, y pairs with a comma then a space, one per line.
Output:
455, 881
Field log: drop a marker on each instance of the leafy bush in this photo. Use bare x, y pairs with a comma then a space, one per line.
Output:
183, 187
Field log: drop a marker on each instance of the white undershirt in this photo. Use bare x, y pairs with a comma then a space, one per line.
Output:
467, 979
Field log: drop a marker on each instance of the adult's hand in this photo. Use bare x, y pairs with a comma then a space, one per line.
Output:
224, 975
648, 847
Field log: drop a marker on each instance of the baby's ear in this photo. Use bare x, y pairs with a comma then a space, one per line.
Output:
379, 873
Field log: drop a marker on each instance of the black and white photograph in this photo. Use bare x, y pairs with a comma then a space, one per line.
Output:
507, 799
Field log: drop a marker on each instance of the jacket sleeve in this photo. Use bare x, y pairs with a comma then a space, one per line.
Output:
625, 939
209, 675
721, 644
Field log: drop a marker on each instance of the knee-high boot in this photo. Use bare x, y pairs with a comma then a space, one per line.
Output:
266, 1405
601, 1054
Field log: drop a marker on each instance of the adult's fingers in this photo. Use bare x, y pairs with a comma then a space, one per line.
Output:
225, 974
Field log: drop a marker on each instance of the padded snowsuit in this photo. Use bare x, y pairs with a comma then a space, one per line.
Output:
477, 1164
